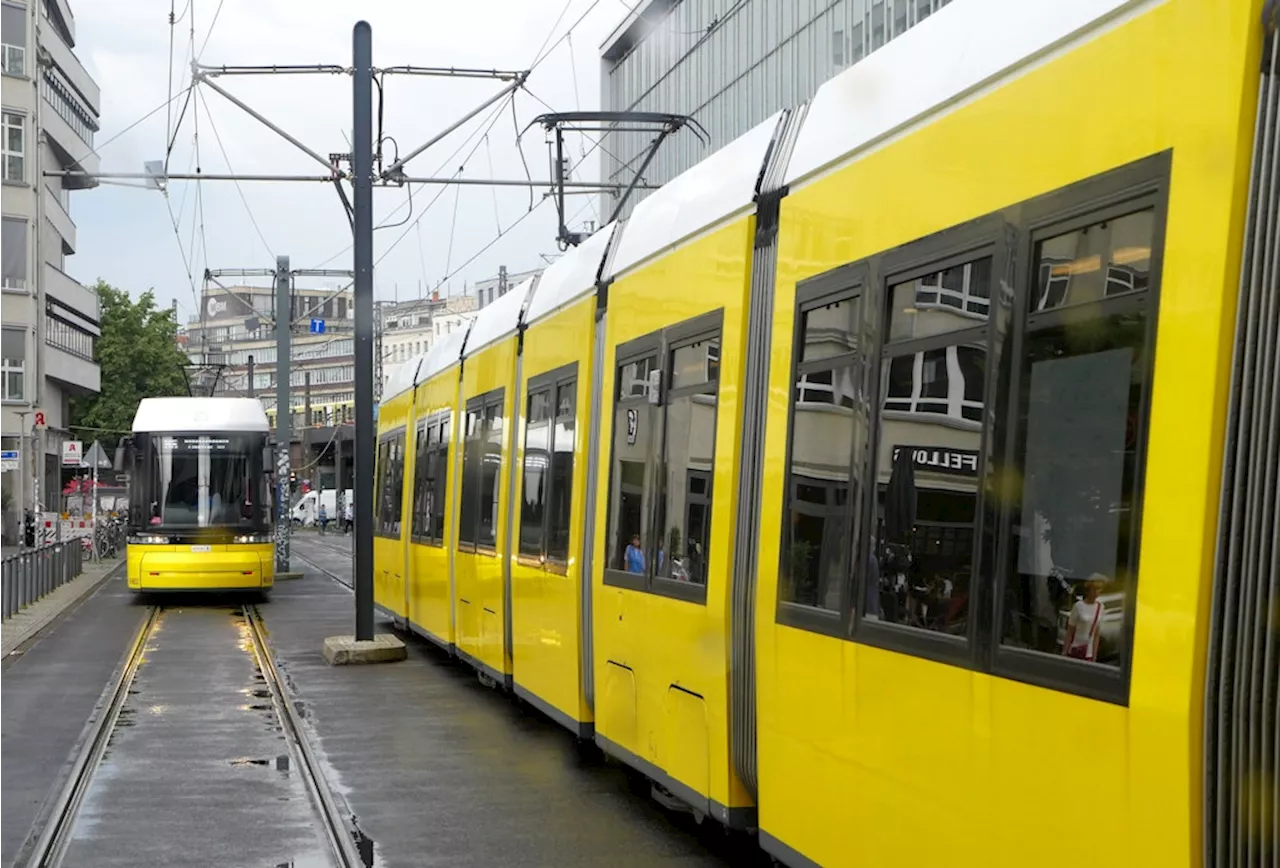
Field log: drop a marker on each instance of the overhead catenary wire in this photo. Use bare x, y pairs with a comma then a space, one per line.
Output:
249, 211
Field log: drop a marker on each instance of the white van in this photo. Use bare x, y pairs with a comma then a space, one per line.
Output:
305, 510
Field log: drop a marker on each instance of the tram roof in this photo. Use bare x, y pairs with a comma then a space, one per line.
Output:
404, 377
200, 414
571, 277
697, 199
969, 46
443, 353
498, 319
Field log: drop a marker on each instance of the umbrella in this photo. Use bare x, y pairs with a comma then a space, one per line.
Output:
900, 498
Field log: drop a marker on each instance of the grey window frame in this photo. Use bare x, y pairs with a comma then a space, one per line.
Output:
423, 533
1010, 236
551, 381
6, 154
21, 368
21, 12
23, 227
663, 344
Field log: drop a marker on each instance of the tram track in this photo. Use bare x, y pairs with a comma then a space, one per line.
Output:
52, 843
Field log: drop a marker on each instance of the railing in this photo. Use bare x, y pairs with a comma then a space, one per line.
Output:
30, 575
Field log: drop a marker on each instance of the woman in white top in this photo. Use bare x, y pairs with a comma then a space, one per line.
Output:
1084, 624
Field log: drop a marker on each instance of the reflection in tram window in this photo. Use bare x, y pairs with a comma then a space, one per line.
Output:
390, 485
423, 480
481, 470
547, 489
1074, 541
560, 501
487, 534
955, 298
1071, 270
537, 460
684, 496
634, 424
829, 431
947, 381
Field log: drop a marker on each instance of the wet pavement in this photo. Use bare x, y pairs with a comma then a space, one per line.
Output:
197, 771
49, 691
440, 770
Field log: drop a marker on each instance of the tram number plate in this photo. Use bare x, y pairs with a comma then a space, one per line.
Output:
202, 548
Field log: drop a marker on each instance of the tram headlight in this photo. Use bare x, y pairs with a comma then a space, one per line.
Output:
148, 539
248, 538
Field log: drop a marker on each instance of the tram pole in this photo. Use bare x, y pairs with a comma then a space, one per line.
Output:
362, 227
284, 328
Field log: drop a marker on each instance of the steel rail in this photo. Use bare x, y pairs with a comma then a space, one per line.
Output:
51, 846
334, 821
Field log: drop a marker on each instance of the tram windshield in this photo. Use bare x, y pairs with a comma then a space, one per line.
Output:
187, 481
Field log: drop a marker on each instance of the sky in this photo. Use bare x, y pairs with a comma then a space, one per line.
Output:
127, 237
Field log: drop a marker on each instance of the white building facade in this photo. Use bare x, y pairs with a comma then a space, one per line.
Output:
51, 322
411, 328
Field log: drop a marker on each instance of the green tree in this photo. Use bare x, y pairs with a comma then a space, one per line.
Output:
139, 357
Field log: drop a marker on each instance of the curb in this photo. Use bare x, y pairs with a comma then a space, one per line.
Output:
16, 632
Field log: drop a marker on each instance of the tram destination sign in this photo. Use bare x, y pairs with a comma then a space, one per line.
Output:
195, 444
939, 459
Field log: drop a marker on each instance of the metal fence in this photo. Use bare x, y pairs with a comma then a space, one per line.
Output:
29, 575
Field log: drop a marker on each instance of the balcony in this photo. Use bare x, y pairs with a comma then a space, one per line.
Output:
70, 293
70, 128
71, 369
60, 220
66, 61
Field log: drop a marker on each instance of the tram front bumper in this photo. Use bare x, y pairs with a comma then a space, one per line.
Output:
183, 568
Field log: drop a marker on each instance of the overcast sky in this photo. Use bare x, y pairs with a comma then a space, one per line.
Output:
126, 236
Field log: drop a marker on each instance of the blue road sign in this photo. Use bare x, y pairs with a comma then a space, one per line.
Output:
317, 326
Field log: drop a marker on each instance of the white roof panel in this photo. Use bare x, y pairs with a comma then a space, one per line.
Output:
570, 277
200, 414
957, 50
498, 319
404, 377
718, 187
445, 352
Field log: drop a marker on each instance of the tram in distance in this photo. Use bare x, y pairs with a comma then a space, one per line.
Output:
886, 482
200, 504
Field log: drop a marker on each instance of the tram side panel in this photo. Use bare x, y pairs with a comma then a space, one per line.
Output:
433, 516
488, 381
668, 472
395, 439
550, 504
893, 696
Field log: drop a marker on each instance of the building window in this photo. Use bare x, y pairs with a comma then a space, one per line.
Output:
987, 481
63, 100
481, 472
13, 24
388, 503
660, 487
837, 49
14, 147
431, 479
14, 244
547, 482
13, 363
66, 336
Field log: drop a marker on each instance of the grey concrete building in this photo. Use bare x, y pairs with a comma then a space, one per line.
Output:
730, 64
51, 321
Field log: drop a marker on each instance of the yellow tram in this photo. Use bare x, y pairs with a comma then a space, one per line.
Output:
817, 489
200, 504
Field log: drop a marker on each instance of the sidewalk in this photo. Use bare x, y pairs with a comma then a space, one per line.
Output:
34, 618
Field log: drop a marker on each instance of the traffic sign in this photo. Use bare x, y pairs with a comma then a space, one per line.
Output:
10, 459
317, 326
72, 453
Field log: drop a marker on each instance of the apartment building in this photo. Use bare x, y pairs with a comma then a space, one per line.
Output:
50, 320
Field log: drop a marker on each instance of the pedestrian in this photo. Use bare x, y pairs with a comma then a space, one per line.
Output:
348, 517
322, 517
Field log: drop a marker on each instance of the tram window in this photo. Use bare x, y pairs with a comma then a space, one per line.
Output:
1074, 534
535, 482
829, 432
559, 510
660, 491
390, 484
481, 472
440, 471
1070, 268
950, 299
422, 481
471, 458
688, 458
